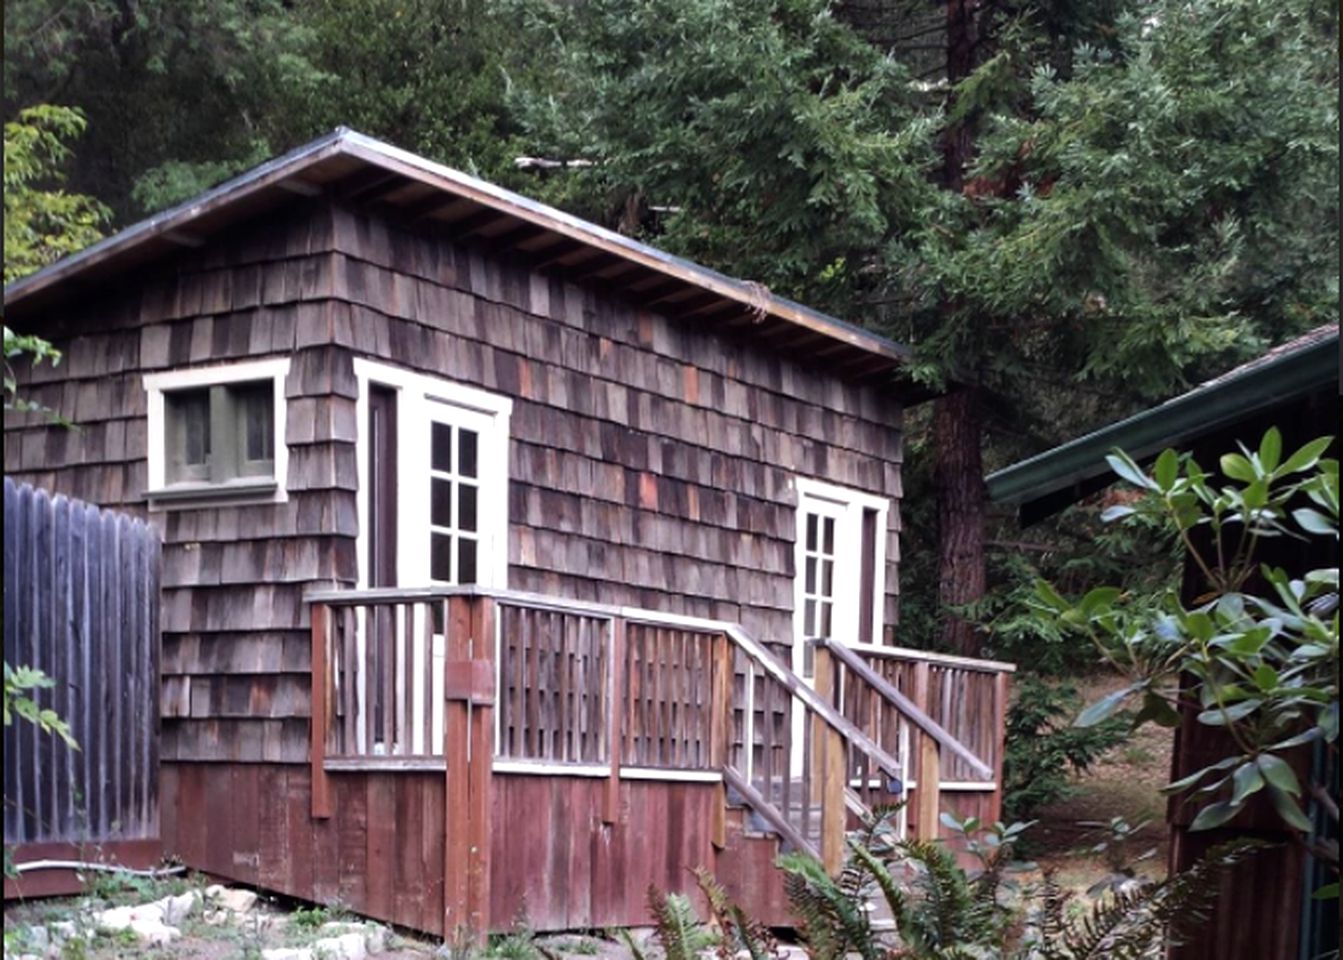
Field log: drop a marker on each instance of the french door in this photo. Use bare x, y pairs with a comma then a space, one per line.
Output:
840, 560
433, 473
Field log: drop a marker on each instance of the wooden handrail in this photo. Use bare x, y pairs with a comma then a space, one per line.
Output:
905, 705
768, 812
793, 684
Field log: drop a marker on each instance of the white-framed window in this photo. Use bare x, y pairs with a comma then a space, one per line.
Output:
217, 433
433, 480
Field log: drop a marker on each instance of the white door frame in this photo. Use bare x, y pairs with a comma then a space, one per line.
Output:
847, 507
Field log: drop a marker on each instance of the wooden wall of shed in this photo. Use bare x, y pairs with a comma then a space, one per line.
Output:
651, 459
553, 861
235, 643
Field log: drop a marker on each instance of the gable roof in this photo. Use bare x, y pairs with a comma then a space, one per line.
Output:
1048, 482
355, 168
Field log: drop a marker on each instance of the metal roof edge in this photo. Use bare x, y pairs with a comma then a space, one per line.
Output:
1177, 420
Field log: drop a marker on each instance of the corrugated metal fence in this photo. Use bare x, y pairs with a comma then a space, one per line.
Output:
81, 604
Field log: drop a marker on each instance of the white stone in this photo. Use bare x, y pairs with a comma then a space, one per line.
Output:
62, 929
154, 933
347, 946
114, 918
237, 900
176, 909
287, 953
38, 938
213, 891
375, 938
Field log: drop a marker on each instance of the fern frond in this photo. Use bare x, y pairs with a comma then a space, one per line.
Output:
833, 923
949, 916
886, 883
1137, 924
738, 930
679, 931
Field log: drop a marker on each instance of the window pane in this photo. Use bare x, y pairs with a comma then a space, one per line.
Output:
825, 620
254, 404
809, 619
188, 434
829, 535
811, 531
466, 452
441, 506
466, 513
828, 578
810, 586
466, 560
440, 557
440, 453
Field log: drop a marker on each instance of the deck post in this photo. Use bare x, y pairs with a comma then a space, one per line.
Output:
317, 725
615, 711
830, 771
720, 731
1000, 695
927, 795
468, 752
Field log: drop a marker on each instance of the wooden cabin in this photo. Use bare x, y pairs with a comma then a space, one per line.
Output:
509, 566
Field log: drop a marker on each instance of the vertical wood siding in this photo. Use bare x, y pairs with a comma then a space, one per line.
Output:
81, 604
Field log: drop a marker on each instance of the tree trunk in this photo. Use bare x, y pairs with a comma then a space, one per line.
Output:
957, 428
958, 475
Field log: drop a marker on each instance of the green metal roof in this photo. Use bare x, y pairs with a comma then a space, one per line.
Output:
1051, 480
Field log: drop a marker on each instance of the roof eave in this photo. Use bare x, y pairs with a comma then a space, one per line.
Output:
1050, 475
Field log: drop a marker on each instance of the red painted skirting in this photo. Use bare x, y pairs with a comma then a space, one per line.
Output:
136, 854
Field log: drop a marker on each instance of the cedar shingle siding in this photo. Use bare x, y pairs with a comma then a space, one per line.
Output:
650, 461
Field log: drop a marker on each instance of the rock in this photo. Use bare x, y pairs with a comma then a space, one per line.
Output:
347, 946
114, 918
287, 953
63, 930
217, 917
38, 938
237, 900
213, 891
375, 935
176, 909
154, 933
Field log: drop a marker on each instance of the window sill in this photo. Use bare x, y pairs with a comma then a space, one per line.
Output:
260, 489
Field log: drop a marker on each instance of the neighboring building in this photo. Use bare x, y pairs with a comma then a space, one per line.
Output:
1262, 910
351, 368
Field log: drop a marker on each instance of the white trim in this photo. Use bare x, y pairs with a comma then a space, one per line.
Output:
676, 776
807, 486
542, 768
956, 786
417, 394
907, 653
275, 369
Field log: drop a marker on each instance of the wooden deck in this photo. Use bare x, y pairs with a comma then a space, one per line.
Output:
480, 757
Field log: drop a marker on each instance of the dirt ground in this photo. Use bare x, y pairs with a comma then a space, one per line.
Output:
1125, 783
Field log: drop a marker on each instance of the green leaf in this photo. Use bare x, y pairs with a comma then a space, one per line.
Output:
1156, 709
1245, 781
1306, 457
1106, 706
1098, 599
1327, 892
1184, 783
1214, 815
1312, 521
1116, 512
1221, 717
1238, 468
1270, 449
1265, 677
1288, 809
1278, 773
1125, 466
1167, 469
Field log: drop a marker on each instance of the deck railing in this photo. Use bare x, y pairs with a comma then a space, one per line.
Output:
435, 679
